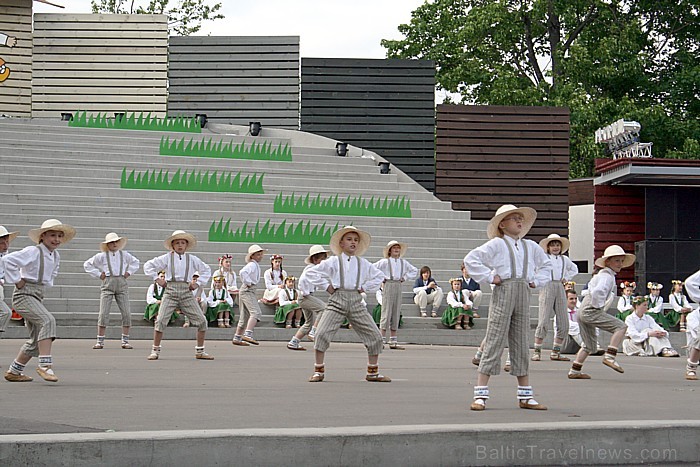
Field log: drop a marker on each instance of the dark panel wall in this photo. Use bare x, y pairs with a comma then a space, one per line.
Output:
487, 156
581, 192
386, 106
236, 79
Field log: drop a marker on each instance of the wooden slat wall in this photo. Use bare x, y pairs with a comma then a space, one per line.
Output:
386, 106
487, 156
16, 90
236, 79
99, 63
581, 192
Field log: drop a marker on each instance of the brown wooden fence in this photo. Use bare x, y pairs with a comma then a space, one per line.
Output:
487, 156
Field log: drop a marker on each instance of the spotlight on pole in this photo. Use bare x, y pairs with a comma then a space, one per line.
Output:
202, 119
66, 116
384, 168
255, 128
341, 149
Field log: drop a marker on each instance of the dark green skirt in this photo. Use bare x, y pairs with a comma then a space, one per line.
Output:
377, 315
451, 316
282, 311
213, 311
152, 311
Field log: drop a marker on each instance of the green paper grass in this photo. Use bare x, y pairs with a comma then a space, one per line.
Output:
227, 182
132, 122
336, 206
301, 233
207, 148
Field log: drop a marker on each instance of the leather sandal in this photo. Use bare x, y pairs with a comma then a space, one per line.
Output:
524, 404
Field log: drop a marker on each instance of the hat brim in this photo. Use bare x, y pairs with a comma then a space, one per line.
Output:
10, 236
565, 243
247, 257
365, 240
307, 260
191, 240
529, 216
404, 247
121, 243
68, 232
628, 261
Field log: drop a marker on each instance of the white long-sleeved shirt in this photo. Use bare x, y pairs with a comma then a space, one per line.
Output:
656, 304
624, 303
601, 287
678, 301
638, 328
493, 258
306, 287
229, 278
119, 261
562, 268
162, 263
572, 316
391, 267
692, 286
692, 322
285, 300
273, 281
24, 264
370, 277
151, 294
2, 269
453, 300
216, 295
250, 274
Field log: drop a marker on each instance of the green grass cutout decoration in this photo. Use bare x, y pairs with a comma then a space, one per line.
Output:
336, 206
301, 233
193, 181
132, 122
207, 148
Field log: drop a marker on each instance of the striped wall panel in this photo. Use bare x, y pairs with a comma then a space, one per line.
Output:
487, 156
386, 106
236, 79
16, 89
99, 63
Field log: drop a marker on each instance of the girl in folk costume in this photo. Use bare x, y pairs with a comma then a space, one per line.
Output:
289, 311
644, 336
656, 305
396, 271
624, 304
552, 300
220, 302
274, 280
153, 298
201, 297
228, 274
459, 313
680, 304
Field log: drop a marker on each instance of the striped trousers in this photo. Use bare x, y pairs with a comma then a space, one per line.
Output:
41, 324
509, 319
552, 302
590, 318
178, 295
114, 288
348, 304
313, 308
5, 311
249, 306
391, 306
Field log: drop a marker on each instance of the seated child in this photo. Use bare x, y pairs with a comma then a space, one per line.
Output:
644, 337
459, 313
153, 298
201, 297
274, 280
229, 276
427, 292
680, 304
656, 305
624, 304
289, 311
572, 342
219, 302
474, 289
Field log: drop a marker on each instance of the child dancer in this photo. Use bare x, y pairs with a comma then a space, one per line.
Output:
692, 286
458, 313
5, 311
250, 309
592, 314
220, 302
32, 270
624, 304
515, 266
644, 336
179, 266
680, 304
289, 311
311, 306
350, 276
396, 270
274, 280
113, 266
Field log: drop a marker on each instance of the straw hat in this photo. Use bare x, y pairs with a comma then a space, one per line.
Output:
181, 235
113, 237
615, 250
387, 248
315, 250
365, 240
253, 249
529, 216
4, 232
52, 224
654, 286
565, 243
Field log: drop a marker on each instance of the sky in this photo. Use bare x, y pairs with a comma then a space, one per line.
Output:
327, 28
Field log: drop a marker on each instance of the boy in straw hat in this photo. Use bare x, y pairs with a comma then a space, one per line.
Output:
179, 267
692, 286
592, 313
396, 271
248, 302
311, 306
514, 265
350, 276
552, 300
113, 266
5, 311
31, 270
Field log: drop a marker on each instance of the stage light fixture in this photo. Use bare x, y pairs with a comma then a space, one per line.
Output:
341, 149
255, 128
384, 168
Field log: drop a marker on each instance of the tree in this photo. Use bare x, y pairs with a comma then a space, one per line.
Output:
183, 19
604, 59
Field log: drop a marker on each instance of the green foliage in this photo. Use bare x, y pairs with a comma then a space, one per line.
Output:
208, 148
334, 206
132, 122
193, 181
183, 19
300, 233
